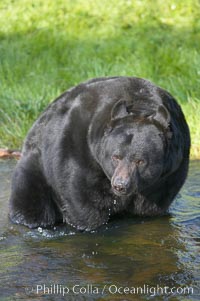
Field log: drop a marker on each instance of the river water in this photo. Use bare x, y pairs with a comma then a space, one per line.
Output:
128, 259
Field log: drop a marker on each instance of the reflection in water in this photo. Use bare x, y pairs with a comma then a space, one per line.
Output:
125, 254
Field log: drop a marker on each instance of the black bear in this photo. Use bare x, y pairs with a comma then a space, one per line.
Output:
116, 145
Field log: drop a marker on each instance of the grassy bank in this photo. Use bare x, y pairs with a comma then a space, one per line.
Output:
47, 46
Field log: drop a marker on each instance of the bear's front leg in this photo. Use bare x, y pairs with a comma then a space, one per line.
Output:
84, 217
31, 201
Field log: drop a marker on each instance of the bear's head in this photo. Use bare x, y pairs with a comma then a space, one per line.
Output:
134, 147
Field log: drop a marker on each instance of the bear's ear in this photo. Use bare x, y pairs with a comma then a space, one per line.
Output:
162, 116
119, 110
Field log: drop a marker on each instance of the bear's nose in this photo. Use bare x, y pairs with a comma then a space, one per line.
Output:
120, 185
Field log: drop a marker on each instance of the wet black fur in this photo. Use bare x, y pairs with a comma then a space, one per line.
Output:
64, 174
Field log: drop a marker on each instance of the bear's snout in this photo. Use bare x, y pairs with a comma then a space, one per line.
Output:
121, 185
121, 181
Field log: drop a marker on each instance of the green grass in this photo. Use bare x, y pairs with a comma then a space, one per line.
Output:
48, 46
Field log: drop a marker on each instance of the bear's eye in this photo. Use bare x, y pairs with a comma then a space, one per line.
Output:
139, 162
116, 158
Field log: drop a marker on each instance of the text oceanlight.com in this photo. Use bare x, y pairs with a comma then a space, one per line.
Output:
113, 289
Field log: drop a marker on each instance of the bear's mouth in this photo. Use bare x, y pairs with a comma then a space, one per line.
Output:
121, 193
